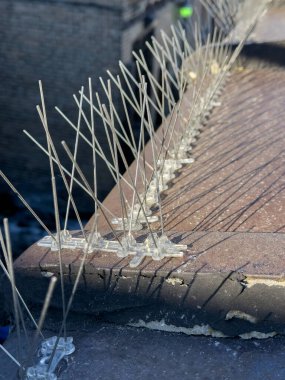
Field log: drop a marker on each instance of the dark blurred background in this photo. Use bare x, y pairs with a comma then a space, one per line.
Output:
62, 42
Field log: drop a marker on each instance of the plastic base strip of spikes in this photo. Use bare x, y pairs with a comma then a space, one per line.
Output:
166, 174
156, 247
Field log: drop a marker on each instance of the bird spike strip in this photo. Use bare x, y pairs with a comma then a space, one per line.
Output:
200, 68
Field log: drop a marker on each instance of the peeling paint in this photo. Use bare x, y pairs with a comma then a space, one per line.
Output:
258, 335
206, 330
240, 315
251, 281
174, 281
195, 330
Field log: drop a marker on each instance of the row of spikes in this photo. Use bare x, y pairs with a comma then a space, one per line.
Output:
200, 69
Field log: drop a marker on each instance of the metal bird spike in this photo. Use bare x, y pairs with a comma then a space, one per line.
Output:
43, 117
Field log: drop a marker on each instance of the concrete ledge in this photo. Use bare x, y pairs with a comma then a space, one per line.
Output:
226, 282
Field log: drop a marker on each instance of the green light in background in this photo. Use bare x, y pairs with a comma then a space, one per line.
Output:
185, 12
